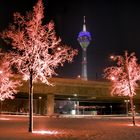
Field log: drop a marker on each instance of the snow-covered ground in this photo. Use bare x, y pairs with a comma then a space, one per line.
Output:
45, 128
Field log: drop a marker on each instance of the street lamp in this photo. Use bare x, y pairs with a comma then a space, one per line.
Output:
126, 103
111, 109
112, 78
112, 57
39, 104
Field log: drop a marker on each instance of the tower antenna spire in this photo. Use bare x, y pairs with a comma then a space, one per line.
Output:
84, 25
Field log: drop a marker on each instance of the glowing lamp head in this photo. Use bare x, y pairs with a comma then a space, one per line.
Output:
79, 76
112, 78
112, 57
59, 49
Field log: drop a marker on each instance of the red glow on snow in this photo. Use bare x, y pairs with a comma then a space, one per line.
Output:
43, 132
133, 125
4, 119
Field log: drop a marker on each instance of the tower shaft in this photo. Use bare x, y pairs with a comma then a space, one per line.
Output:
84, 64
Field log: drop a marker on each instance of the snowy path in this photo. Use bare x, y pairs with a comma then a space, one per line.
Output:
16, 128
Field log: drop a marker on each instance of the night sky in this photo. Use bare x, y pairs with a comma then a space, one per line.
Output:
114, 26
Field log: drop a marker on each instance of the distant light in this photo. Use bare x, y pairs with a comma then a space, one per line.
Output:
68, 98
75, 95
112, 57
1, 72
58, 48
93, 97
73, 112
126, 101
43, 132
112, 78
79, 76
25, 78
40, 97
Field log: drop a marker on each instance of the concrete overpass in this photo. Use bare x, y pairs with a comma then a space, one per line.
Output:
97, 92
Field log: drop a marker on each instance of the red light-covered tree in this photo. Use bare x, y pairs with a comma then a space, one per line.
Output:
124, 77
38, 50
8, 84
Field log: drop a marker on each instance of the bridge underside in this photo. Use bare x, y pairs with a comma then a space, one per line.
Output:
72, 94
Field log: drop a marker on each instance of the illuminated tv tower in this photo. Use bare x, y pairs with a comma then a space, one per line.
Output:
84, 39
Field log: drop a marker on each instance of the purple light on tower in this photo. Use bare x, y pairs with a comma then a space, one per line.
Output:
84, 39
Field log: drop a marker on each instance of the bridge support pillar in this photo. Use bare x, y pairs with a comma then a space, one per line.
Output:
50, 104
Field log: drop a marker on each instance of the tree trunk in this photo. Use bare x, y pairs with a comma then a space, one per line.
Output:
131, 94
31, 103
133, 110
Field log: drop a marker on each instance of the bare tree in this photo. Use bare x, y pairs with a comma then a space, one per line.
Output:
124, 77
8, 84
38, 50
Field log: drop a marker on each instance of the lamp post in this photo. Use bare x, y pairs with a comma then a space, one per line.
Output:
39, 104
111, 109
126, 104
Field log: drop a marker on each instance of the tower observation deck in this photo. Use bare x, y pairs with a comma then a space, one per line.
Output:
84, 39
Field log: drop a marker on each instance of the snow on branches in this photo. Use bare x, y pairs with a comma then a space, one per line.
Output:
124, 75
8, 85
37, 49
